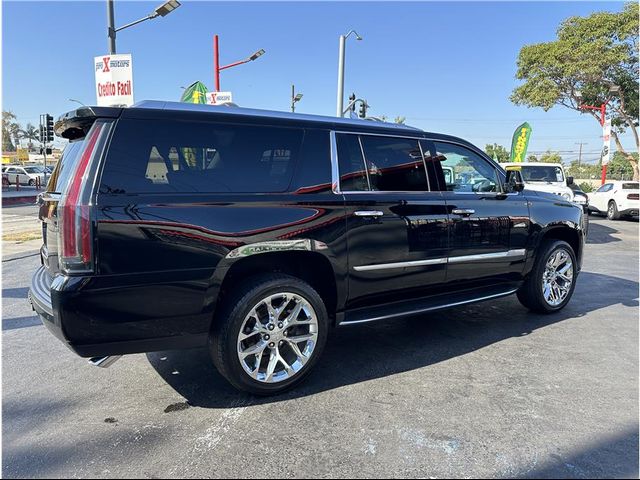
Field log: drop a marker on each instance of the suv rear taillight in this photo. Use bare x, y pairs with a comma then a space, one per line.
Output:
633, 196
75, 222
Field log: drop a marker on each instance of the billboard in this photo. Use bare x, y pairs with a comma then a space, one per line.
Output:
114, 80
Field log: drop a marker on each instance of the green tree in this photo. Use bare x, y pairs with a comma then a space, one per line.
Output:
532, 158
550, 157
590, 55
619, 167
497, 151
400, 120
10, 131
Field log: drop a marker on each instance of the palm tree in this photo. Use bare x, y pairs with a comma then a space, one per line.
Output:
31, 134
400, 120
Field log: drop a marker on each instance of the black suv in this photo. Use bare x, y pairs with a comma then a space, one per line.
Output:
173, 225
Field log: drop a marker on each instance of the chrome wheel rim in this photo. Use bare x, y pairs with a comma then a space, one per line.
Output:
611, 210
558, 277
278, 337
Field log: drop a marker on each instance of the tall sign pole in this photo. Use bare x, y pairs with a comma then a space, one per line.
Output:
111, 27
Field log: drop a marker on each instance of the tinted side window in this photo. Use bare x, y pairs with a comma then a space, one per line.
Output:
353, 176
605, 188
394, 164
149, 156
464, 170
313, 172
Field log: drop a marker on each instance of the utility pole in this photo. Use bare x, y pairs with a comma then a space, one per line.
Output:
580, 154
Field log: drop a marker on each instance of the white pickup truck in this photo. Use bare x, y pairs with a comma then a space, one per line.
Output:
544, 177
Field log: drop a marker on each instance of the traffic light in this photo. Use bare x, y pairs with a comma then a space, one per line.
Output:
363, 109
41, 134
352, 102
49, 128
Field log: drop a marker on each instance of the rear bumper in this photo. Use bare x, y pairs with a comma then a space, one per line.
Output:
52, 298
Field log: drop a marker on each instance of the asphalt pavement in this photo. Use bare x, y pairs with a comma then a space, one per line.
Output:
488, 390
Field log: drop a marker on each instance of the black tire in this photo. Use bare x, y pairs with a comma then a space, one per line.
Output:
223, 340
612, 211
530, 293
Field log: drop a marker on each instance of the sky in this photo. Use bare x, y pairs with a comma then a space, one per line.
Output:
448, 67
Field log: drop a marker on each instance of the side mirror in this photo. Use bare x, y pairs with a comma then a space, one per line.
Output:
569, 181
514, 182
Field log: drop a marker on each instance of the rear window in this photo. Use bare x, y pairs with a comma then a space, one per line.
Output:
155, 156
630, 186
65, 167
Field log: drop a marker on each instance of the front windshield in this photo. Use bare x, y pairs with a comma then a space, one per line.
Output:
33, 169
542, 173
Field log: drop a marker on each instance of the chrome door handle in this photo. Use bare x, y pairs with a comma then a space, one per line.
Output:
368, 213
465, 212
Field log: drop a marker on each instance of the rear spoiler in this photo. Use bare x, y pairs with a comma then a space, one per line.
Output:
76, 123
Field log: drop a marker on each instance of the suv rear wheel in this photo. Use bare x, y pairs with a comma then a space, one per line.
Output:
269, 334
550, 285
612, 211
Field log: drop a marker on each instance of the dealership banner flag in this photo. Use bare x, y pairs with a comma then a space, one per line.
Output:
520, 142
606, 138
195, 93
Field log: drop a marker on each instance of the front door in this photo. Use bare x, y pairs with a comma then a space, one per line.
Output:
489, 229
397, 228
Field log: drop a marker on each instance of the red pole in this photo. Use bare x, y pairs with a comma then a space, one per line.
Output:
603, 113
216, 63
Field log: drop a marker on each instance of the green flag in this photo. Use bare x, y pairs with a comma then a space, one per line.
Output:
195, 93
520, 142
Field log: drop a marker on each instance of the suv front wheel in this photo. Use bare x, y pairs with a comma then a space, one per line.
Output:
269, 334
550, 285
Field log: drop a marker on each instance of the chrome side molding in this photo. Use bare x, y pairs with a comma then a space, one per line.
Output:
386, 266
508, 254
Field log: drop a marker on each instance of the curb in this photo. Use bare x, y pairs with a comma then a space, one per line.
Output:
26, 200
21, 255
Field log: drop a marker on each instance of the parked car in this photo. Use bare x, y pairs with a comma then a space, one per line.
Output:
616, 199
173, 225
544, 177
27, 175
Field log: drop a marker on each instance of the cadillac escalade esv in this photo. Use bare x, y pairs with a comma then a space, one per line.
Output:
252, 233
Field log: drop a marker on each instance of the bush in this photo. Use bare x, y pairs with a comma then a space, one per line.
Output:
586, 187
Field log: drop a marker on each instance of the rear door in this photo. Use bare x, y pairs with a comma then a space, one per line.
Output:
489, 229
397, 228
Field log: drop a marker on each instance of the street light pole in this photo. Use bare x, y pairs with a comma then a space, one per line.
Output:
111, 27
294, 98
216, 62
165, 9
613, 89
341, 55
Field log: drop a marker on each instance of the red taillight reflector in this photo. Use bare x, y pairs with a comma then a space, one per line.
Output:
75, 215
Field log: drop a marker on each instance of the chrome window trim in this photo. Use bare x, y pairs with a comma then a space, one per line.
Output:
511, 254
364, 162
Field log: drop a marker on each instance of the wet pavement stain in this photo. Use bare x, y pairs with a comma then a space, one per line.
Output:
110, 420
